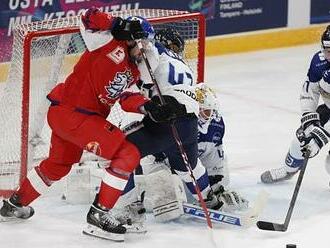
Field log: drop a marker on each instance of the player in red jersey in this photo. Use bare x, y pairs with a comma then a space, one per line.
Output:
77, 117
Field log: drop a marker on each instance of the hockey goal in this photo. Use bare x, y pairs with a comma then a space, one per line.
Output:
43, 54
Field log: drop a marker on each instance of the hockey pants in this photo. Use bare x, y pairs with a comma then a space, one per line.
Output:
153, 138
72, 132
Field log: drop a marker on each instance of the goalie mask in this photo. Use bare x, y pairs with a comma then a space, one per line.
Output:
208, 101
325, 43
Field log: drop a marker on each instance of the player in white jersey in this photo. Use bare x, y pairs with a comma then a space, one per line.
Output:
211, 129
314, 130
175, 79
177, 84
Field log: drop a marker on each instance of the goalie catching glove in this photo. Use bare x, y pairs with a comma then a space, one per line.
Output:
232, 201
168, 111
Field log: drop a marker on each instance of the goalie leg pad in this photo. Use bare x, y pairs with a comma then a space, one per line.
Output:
166, 195
78, 187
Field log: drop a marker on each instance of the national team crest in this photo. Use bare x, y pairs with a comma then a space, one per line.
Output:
200, 94
121, 81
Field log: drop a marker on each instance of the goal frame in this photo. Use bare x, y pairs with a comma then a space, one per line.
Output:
30, 35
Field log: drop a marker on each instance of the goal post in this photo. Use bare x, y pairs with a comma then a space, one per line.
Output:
43, 54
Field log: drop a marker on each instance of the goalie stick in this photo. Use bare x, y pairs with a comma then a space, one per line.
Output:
270, 226
244, 220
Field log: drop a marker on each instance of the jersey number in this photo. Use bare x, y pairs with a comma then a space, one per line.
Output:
175, 77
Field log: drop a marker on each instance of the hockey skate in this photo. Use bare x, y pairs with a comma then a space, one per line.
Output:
102, 224
277, 175
13, 210
132, 217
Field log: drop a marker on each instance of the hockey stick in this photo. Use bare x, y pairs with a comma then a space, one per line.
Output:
270, 226
176, 137
244, 220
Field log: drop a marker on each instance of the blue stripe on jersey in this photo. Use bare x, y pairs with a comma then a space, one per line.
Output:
203, 183
215, 132
317, 67
190, 77
175, 77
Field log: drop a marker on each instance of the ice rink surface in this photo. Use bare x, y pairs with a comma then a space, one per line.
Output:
259, 94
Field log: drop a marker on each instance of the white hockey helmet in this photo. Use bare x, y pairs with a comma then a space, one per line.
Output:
207, 99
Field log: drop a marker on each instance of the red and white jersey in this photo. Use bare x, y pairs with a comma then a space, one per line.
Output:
101, 76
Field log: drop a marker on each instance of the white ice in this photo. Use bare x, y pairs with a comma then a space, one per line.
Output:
259, 99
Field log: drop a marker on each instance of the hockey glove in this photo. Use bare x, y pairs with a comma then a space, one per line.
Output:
212, 201
310, 120
95, 20
146, 89
127, 29
326, 76
233, 201
314, 141
164, 112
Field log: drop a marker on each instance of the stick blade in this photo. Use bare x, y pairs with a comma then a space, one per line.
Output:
269, 226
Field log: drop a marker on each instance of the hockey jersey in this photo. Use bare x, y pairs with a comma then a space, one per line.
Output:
311, 90
210, 135
101, 77
174, 76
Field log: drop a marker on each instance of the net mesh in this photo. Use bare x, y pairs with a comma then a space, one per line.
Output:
53, 56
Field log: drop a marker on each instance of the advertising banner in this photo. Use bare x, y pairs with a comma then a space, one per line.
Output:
320, 11
234, 16
223, 16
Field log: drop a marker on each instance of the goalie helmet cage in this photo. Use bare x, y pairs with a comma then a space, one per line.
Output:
43, 54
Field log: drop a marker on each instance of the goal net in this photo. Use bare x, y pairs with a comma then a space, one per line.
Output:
43, 54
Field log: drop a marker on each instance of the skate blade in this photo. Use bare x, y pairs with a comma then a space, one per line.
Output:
9, 219
99, 233
135, 229
12, 219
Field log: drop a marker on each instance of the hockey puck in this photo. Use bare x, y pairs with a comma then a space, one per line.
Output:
291, 246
